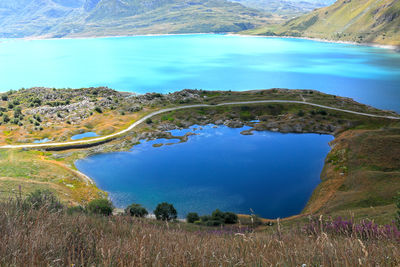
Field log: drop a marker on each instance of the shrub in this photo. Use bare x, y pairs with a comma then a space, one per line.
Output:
6, 118
218, 215
217, 218
136, 210
37, 117
165, 211
100, 206
36, 102
230, 218
192, 217
149, 121
43, 199
224, 217
98, 109
4, 97
300, 113
205, 218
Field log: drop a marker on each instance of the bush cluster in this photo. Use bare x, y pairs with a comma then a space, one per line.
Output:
43, 199
217, 218
136, 210
100, 206
164, 211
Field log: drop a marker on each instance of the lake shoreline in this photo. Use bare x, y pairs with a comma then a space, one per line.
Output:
193, 131
33, 38
390, 47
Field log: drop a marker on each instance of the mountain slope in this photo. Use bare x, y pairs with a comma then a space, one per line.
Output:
362, 21
59, 18
287, 8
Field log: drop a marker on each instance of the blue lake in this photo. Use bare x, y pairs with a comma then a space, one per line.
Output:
84, 135
168, 63
272, 173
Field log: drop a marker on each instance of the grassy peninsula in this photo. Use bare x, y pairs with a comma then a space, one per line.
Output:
359, 180
349, 179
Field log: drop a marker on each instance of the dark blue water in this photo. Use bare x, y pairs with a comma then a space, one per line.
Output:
272, 173
169, 63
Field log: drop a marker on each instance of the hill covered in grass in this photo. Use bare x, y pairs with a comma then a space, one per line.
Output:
39, 236
60, 18
361, 21
286, 8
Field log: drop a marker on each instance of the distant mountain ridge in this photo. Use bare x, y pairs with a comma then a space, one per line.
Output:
361, 21
59, 18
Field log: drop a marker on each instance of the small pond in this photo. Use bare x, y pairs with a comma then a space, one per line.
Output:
84, 135
44, 140
272, 173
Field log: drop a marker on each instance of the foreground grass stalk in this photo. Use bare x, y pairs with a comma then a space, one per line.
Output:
30, 237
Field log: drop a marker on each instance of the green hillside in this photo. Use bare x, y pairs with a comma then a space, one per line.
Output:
168, 16
286, 8
361, 21
60, 18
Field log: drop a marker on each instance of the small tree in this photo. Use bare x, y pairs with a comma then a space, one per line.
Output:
192, 217
6, 118
100, 206
136, 210
98, 109
230, 218
218, 215
43, 199
165, 211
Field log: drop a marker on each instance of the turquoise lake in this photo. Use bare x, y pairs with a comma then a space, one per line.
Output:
168, 63
271, 173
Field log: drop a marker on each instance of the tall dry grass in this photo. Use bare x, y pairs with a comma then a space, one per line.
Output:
31, 237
